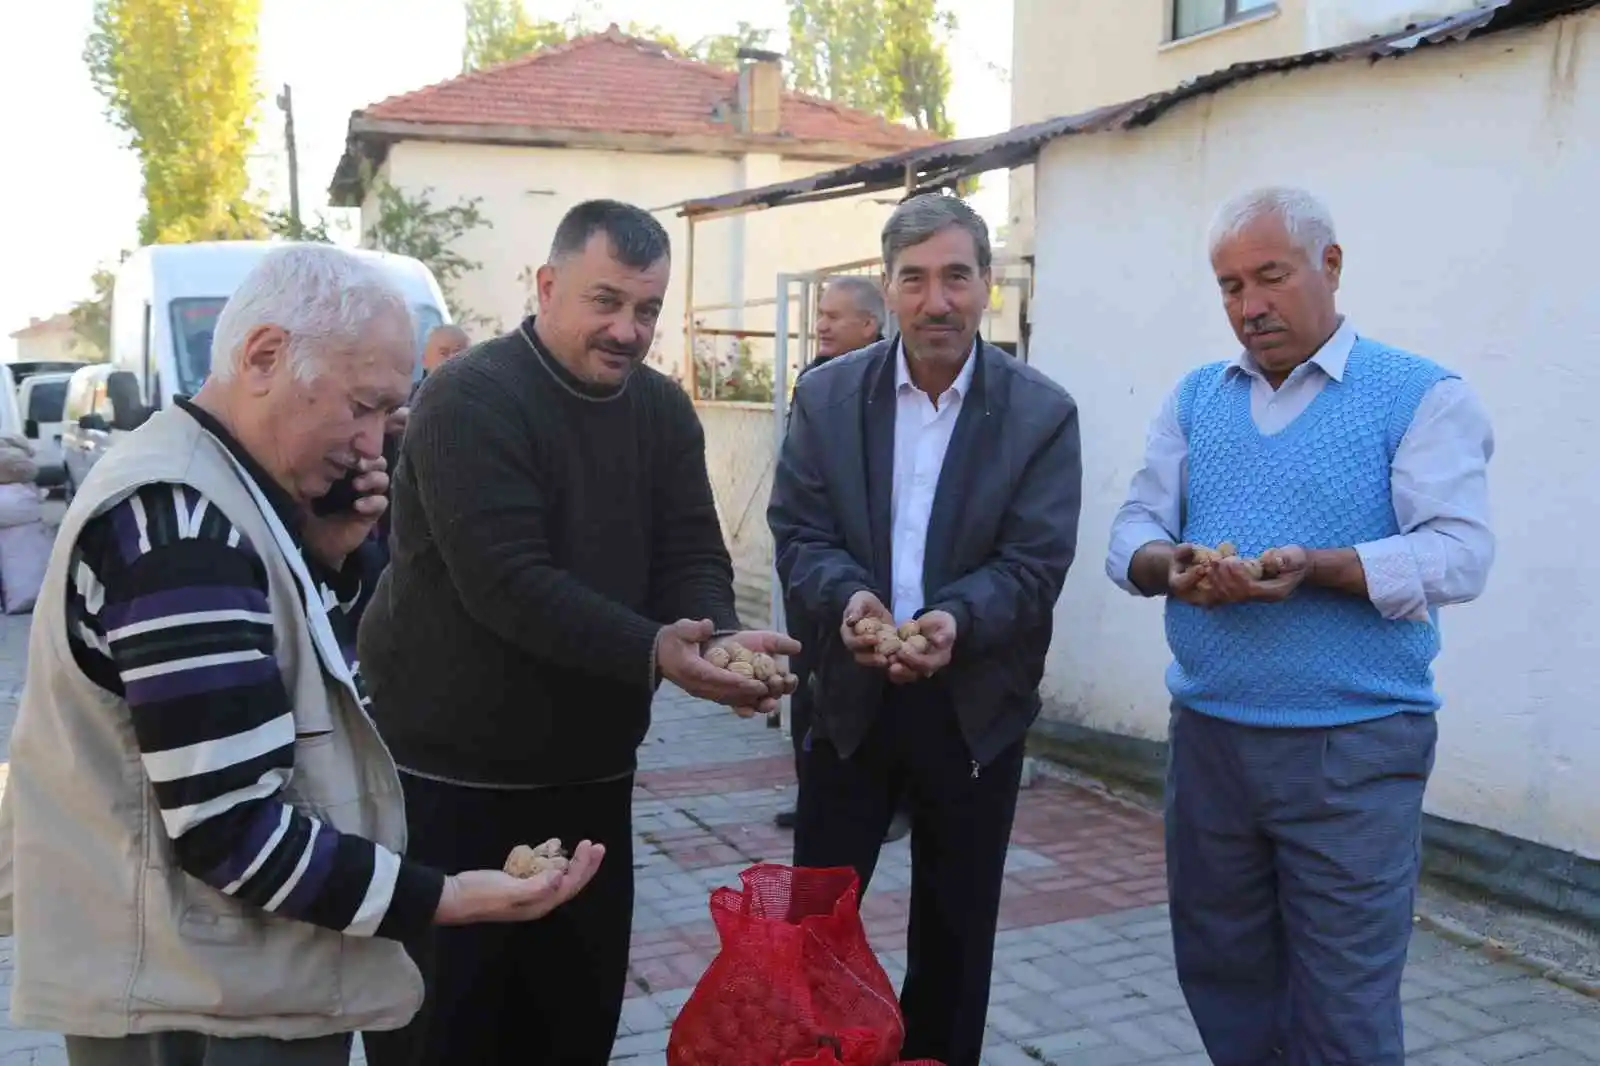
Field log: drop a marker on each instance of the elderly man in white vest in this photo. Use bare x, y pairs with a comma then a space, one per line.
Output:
201, 839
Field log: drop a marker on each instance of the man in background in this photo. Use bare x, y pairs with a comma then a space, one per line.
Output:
850, 315
443, 343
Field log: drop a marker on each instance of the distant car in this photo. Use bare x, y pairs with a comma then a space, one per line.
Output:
102, 405
42, 397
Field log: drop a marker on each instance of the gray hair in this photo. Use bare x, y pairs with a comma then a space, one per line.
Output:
922, 217
1309, 223
316, 293
864, 292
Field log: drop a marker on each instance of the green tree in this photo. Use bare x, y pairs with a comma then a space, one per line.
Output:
319, 230
91, 317
888, 57
414, 225
501, 30
179, 78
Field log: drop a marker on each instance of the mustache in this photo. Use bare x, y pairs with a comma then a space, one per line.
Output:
937, 321
1264, 324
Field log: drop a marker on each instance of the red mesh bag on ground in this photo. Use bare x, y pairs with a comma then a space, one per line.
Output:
826, 1057
794, 976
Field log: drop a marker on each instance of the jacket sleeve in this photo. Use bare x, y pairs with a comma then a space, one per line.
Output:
1016, 589
815, 567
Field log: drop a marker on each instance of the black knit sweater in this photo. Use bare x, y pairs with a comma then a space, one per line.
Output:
543, 533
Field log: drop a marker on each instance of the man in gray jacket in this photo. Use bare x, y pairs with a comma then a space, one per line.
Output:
928, 478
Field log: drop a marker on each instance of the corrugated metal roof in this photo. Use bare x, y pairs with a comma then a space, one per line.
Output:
926, 169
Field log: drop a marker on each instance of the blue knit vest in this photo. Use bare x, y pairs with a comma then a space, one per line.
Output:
1322, 657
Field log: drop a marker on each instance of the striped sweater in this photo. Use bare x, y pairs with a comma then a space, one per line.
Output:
168, 609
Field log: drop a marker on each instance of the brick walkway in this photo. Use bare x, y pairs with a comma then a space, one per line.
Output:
1083, 975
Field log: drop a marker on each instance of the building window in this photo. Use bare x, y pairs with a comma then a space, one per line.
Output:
1190, 17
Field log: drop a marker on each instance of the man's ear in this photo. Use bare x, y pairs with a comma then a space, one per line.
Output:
266, 352
544, 283
1333, 264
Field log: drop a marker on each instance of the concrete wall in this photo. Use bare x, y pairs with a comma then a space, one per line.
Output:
1081, 54
1459, 177
525, 192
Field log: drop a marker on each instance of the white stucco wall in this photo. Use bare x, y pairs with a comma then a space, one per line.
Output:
525, 192
1462, 180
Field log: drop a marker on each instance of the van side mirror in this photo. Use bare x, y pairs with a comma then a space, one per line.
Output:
128, 411
30, 429
93, 423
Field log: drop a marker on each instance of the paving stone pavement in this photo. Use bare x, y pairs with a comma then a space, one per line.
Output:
1083, 973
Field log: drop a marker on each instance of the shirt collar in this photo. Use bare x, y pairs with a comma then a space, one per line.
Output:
963, 382
1331, 358
276, 494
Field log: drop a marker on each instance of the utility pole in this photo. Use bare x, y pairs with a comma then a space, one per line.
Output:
286, 105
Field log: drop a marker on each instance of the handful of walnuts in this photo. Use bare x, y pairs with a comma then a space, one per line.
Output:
756, 665
1263, 568
526, 862
888, 640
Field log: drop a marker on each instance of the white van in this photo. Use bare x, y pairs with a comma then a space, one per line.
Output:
10, 413
164, 309
42, 398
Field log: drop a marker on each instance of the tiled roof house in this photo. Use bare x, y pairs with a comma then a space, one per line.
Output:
615, 116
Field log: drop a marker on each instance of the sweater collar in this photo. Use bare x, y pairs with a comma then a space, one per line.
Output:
569, 381
1331, 358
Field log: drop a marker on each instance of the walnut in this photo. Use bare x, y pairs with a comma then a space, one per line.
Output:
525, 862
763, 666
743, 669
740, 653
867, 627
907, 630
719, 657
888, 644
918, 643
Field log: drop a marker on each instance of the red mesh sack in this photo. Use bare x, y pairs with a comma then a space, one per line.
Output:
794, 976
826, 1057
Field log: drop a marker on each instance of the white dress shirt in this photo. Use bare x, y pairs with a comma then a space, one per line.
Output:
1438, 481
922, 430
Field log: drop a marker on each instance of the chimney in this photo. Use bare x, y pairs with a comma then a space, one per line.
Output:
760, 91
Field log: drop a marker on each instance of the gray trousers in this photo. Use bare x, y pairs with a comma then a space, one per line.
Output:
194, 1049
1292, 861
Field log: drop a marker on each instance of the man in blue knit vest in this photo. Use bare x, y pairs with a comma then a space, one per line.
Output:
1352, 479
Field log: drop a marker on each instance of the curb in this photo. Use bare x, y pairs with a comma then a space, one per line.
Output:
1499, 951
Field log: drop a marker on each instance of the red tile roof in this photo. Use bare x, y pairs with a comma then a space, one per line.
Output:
613, 83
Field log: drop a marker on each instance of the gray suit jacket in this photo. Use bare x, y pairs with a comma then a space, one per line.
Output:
1002, 534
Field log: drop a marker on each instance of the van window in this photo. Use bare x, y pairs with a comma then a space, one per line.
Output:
45, 401
194, 320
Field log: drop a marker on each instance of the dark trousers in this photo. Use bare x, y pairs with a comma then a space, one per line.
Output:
1292, 861
548, 991
960, 827
195, 1049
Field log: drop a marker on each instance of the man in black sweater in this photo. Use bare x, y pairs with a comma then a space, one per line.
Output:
556, 554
